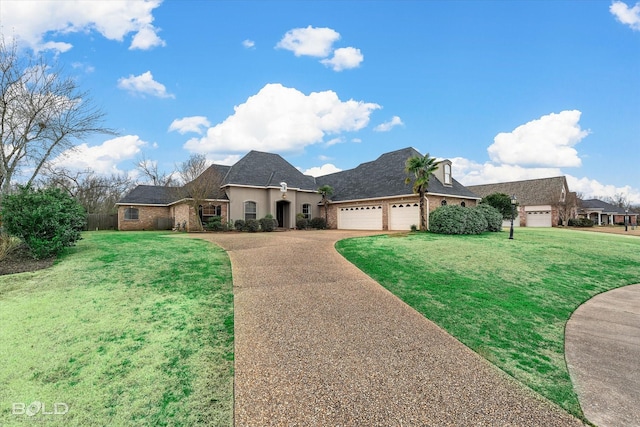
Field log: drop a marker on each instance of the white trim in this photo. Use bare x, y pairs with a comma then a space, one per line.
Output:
263, 187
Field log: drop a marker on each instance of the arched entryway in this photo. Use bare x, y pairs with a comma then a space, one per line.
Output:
282, 213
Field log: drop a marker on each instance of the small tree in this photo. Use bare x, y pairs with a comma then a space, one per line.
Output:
48, 220
326, 191
500, 201
202, 183
421, 167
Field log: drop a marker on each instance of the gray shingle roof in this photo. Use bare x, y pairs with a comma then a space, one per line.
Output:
543, 191
261, 169
150, 195
604, 206
384, 177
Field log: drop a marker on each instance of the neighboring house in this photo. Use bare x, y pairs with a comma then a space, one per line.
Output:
257, 185
603, 213
544, 202
372, 196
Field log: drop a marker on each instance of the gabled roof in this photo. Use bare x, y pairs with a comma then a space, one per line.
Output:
384, 177
543, 191
604, 207
150, 195
259, 169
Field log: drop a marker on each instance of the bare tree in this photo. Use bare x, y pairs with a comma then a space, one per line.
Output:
620, 200
96, 193
150, 171
201, 183
42, 114
568, 208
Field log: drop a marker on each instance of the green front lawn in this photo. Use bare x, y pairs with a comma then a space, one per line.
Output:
130, 328
508, 300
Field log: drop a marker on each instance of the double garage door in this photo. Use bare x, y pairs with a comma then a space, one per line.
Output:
401, 217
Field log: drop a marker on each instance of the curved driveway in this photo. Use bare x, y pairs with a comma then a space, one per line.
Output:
319, 343
602, 348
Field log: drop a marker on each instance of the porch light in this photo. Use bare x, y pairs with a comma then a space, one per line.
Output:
514, 201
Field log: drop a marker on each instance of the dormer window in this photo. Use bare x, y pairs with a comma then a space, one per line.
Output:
447, 174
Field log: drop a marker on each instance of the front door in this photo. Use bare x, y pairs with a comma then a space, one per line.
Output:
282, 213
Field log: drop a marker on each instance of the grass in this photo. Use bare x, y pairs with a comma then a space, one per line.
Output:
508, 300
128, 328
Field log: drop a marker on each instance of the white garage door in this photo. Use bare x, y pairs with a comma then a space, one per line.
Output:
539, 219
360, 218
403, 215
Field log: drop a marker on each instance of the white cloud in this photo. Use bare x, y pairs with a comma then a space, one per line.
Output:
334, 141
103, 158
592, 189
309, 41
387, 126
37, 22
248, 43
144, 84
146, 39
280, 119
468, 172
545, 142
189, 124
626, 15
325, 169
344, 58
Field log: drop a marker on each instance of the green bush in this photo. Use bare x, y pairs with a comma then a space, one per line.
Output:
252, 225
453, 219
240, 225
267, 223
492, 215
47, 220
302, 223
215, 224
580, 222
318, 223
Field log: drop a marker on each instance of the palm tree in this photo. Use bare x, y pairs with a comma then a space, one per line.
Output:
422, 168
326, 191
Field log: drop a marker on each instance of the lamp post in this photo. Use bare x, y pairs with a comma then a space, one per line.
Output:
626, 214
513, 207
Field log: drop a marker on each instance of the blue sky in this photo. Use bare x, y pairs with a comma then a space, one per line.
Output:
506, 90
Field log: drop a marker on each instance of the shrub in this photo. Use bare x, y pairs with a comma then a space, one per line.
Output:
252, 225
267, 224
454, 219
414, 228
492, 215
8, 244
580, 222
302, 223
47, 220
318, 223
240, 225
214, 224
475, 221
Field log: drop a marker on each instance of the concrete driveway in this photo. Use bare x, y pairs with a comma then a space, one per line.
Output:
319, 343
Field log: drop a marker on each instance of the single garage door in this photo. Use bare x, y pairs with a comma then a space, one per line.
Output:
403, 215
539, 219
360, 218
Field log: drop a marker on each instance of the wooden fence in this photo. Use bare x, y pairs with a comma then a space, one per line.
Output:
102, 222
